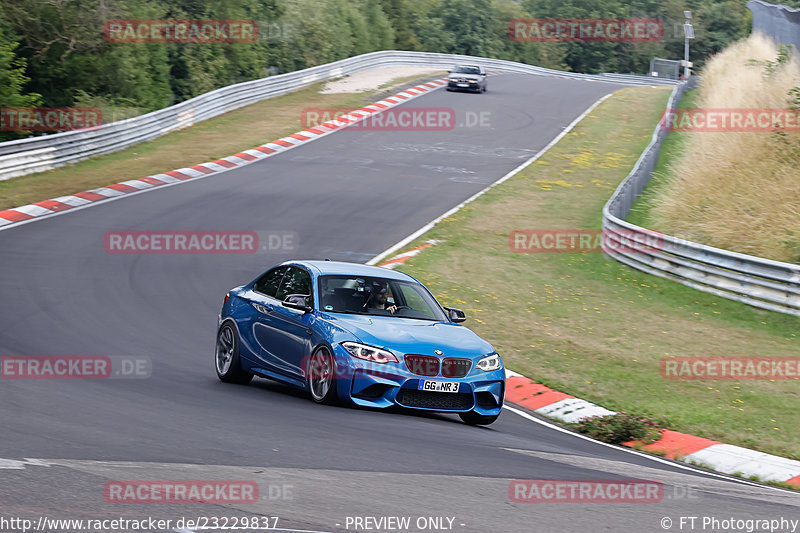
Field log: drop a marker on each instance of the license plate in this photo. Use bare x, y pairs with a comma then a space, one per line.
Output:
438, 386
463, 84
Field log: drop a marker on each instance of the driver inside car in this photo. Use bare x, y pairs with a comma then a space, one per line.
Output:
378, 299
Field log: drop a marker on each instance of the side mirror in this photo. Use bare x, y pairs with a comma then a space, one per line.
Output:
298, 301
456, 315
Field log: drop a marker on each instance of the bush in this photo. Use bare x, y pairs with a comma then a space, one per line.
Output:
621, 427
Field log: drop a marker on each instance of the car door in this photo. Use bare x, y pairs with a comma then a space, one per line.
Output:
260, 330
289, 341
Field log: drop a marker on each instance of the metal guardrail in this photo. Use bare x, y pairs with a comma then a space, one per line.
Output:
36, 154
779, 22
759, 282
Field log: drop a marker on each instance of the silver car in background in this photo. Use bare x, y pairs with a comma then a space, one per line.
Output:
467, 78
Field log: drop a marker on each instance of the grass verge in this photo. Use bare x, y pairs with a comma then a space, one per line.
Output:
592, 327
209, 140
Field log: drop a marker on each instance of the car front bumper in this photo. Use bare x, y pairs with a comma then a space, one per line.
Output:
392, 384
471, 86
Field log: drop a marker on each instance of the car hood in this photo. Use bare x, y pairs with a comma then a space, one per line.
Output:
414, 336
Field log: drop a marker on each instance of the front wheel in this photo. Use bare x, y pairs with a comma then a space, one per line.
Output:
322, 376
226, 358
474, 419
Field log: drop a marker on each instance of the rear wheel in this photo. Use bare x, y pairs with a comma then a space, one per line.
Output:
226, 359
474, 419
322, 376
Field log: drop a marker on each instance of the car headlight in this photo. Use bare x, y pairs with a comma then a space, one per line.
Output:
369, 353
490, 362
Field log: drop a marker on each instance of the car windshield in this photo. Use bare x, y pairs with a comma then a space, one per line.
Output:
466, 70
363, 295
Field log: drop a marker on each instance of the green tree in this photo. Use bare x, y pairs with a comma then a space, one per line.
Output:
63, 44
381, 33
403, 17
199, 68
719, 24
13, 81
549, 55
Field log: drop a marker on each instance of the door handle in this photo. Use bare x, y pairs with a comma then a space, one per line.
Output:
309, 331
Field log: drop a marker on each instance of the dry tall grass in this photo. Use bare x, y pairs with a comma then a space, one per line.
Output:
738, 191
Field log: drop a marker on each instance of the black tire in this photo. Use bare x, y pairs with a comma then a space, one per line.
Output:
321, 376
226, 357
474, 419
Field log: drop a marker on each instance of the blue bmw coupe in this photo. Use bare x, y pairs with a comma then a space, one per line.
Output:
359, 335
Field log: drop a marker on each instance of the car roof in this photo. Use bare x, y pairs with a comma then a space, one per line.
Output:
355, 269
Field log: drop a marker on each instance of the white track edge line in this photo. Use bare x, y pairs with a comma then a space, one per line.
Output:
427, 227
675, 464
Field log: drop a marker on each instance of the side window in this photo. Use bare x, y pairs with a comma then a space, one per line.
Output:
296, 281
268, 283
415, 301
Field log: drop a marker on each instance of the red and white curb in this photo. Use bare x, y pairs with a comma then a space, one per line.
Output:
53, 206
716, 455
399, 259
548, 402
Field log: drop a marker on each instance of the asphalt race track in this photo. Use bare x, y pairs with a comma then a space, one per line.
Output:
347, 196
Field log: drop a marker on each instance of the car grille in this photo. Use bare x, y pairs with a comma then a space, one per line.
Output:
455, 368
422, 365
434, 400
